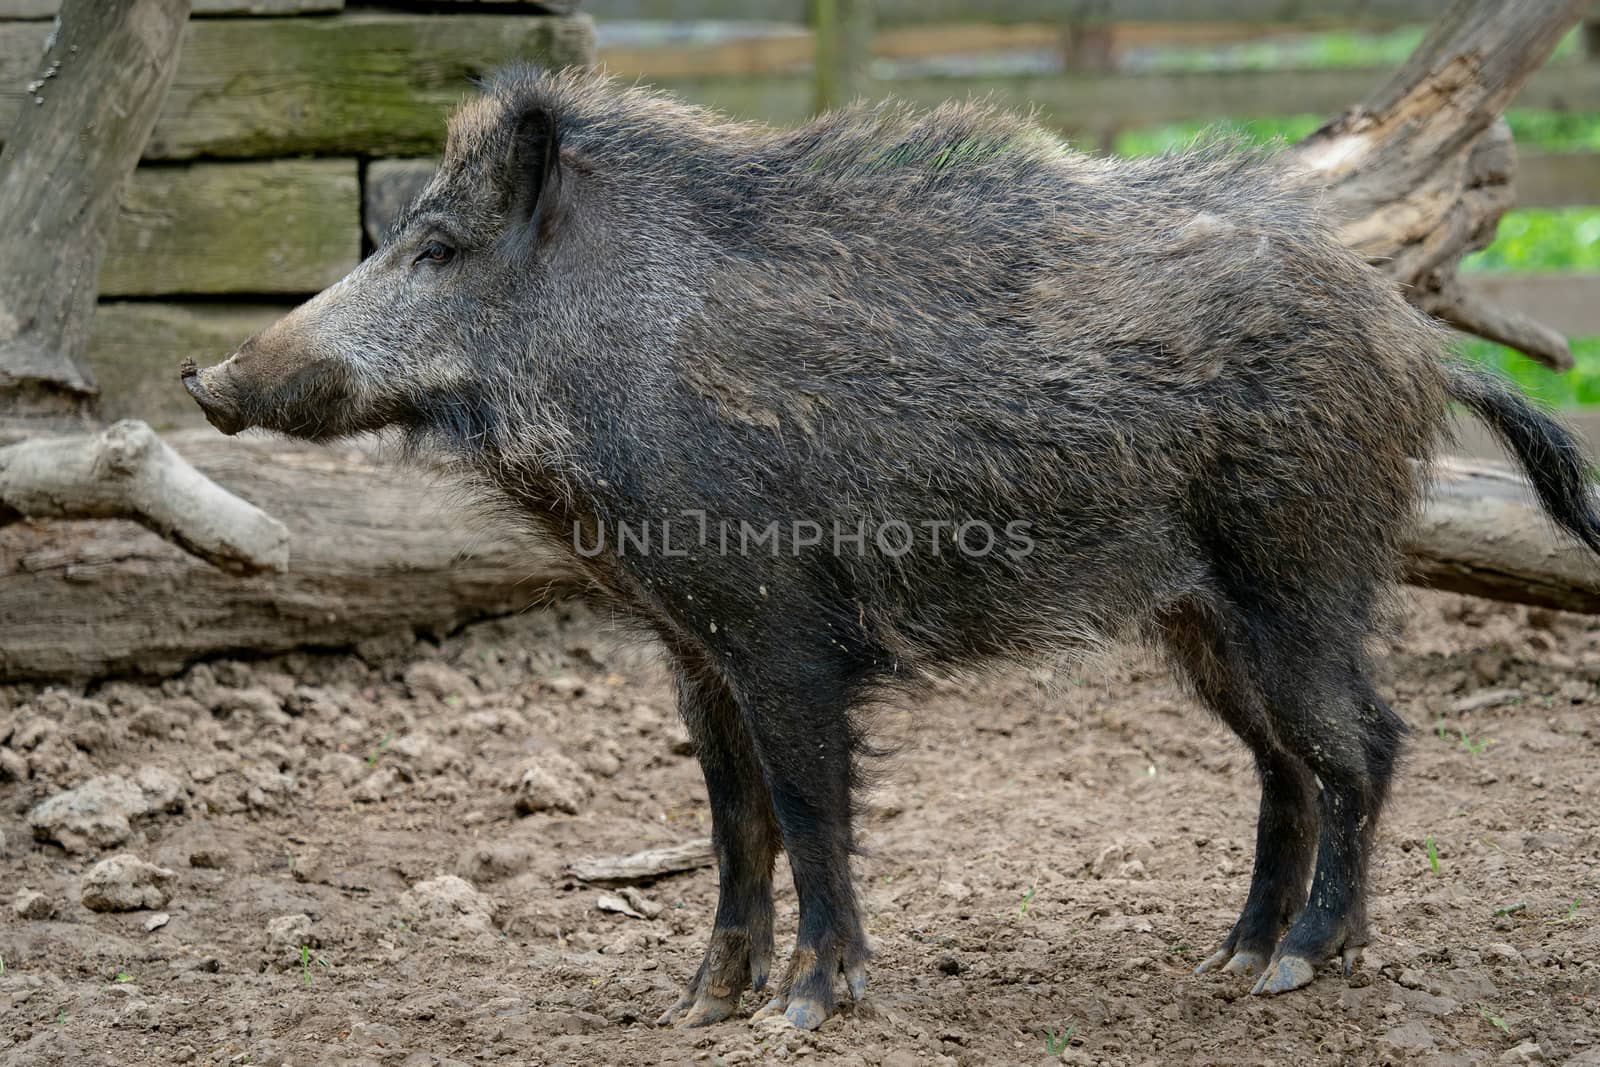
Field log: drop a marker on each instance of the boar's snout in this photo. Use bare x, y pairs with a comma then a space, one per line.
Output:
279, 380
217, 394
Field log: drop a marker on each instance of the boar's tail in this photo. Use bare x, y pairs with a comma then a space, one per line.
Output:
1547, 452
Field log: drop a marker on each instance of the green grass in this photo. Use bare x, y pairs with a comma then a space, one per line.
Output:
306, 960
1474, 748
1327, 50
1572, 913
1056, 1043
1495, 1021
372, 757
1578, 387
1027, 898
1556, 131
1544, 131
1542, 239
1307, 51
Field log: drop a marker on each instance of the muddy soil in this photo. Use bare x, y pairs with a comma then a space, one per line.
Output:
367, 851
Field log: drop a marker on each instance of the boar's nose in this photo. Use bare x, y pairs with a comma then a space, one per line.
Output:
215, 394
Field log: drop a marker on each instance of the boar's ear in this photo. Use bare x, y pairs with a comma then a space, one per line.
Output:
534, 167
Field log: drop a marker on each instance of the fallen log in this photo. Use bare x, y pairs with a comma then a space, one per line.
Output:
372, 549
375, 549
1483, 534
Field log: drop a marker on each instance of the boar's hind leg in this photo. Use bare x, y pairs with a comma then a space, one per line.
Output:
1290, 676
1212, 660
746, 840
1329, 714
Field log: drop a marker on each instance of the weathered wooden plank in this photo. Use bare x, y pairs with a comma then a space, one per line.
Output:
1568, 302
1558, 179
786, 49
900, 12
44, 9
285, 226
548, 7
1070, 101
135, 348
390, 186
375, 84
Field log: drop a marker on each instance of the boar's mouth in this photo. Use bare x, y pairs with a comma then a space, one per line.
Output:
311, 402
220, 409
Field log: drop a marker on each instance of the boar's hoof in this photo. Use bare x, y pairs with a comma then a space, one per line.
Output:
703, 1011
799, 1012
733, 961
1285, 973
1246, 964
1228, 960
770, 1010
855, 978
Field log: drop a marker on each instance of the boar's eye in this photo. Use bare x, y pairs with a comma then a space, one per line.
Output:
434, 252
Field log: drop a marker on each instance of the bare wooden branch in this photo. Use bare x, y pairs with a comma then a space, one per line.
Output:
1472, 314
643, 866
126, 472
100, 85
1420, 173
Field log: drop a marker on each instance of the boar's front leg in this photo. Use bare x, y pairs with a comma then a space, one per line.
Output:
797, 711
746, 840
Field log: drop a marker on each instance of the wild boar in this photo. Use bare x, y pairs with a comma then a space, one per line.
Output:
829, 408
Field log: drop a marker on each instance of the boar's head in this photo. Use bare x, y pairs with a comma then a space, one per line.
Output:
401, 340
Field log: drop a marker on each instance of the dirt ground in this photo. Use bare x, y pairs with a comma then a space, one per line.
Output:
1048, 856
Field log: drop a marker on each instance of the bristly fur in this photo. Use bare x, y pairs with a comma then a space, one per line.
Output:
935, 310
1211, 415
